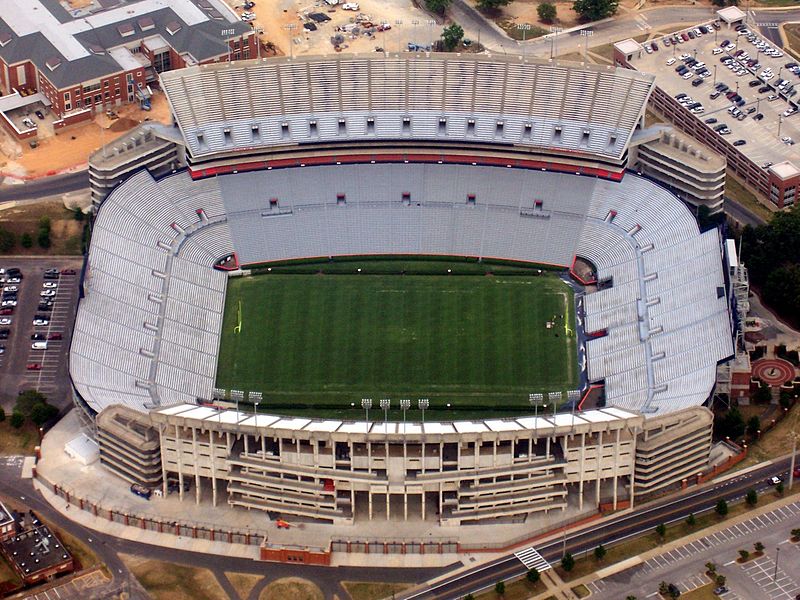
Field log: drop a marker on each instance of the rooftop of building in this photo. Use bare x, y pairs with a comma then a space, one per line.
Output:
73, 46
687, 150
35, 549
763, 137
5, 515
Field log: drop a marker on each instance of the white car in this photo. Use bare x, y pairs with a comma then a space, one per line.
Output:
47, 293
50, 285
688, 75
787, 140
11, 288
717, 51
6, 303
683, 56
331, 2
671, 61
5, 320
350, 6
40, 322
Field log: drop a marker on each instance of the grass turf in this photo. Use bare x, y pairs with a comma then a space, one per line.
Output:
314, 344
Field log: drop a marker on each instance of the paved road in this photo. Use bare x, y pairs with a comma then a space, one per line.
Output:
742, 214
48, 186
107, 548
640, 520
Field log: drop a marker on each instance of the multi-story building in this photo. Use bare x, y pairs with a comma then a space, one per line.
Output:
95, 58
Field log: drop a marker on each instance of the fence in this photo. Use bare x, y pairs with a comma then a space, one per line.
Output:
191, 529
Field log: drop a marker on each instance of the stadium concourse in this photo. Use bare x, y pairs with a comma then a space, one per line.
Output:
420, 169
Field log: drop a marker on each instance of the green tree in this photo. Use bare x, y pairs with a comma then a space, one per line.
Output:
42, 413
547, 12
711, 567
762, 395
690, 520
7, 240
17, 420
731, 424
492, 5
751, 498
759, 547
567, 562
533, 575
663, 588
599, 553
785, 399
77, 213
705, 220
721, 508
753, 426
779, 488
2, 414
437, 6
661, 530
744, 555
27, 400
26, 240
469, 597
500, 588
593, 10
795, 532
452, 36
720, 580
630, 597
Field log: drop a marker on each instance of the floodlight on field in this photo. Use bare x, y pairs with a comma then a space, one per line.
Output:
386, 404
237, 396
366, 404
574, 396
255, 396
405, 404
219, 394
423, 404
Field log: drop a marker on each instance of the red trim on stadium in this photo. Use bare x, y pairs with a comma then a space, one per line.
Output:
594, 386
200, 172
235, 264
326, 257
577, 277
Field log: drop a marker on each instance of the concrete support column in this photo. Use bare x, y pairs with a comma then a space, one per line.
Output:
547, 449
179, 452
161, 435
196, 466
423, 456
213, 448
441, 457
616, 459
581, 469
369, 496
388, 505
530, 448
369, 456
405, 503
494, 452
600, 453
423, 503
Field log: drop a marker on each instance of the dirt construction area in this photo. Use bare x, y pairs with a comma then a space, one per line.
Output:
71, 147
300, 27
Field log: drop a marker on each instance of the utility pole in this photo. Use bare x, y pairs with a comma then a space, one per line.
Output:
793, 436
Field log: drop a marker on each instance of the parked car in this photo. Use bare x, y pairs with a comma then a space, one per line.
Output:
41, 321
5, 320
141, 491
56, 335
47, 293
68, 271
4, 333
775, 480
8, 310
350, 6
34, 367
49, 285
739, 143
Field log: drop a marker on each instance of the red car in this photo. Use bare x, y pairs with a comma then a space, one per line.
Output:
34, 367
8, 310
55, 336
68, 271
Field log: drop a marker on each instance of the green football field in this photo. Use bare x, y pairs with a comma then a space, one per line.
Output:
315, 343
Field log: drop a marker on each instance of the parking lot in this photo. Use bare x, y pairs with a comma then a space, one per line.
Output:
45, 367
684, 565
740, 63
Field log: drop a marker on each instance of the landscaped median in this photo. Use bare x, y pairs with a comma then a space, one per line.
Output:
596, 564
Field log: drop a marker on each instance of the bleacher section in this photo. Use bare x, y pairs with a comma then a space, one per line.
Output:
270, 103
148, 330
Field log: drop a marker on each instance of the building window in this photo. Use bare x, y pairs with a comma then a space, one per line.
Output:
67, 97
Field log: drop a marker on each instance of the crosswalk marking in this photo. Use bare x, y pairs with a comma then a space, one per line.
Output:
532, 559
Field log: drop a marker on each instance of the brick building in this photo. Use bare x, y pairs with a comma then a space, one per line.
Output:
104, 55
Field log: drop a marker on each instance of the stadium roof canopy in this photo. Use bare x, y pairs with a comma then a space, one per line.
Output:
533, 104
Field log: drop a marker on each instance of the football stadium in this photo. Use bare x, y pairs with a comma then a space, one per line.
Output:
402, 287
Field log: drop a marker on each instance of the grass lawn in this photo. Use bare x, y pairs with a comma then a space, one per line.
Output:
320, 342
291, 588
364, 590
169, 581
734, 189
774, 442
243, 582
18, 441
65, 232
521, 589
705, 592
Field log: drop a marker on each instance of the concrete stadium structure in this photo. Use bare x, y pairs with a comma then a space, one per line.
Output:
451, 156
